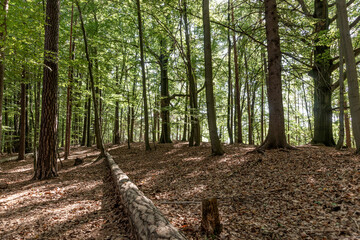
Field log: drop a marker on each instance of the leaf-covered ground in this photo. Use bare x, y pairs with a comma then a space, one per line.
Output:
79, 204
310, 193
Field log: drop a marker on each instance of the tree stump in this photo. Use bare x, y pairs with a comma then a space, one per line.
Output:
78, 161
210, 222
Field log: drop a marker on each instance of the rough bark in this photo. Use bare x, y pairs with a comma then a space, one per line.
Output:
210, 221
340, 142
353, 85
276, 136
216, 147
146, 115
47, 160
321, 73
347, 127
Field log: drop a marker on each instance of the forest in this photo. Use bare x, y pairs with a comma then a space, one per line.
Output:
179, 119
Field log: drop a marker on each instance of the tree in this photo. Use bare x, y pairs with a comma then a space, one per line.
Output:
47, 161
346, 45
276, 136
2, 60
216, 148
146, 116
99, 140
21, 155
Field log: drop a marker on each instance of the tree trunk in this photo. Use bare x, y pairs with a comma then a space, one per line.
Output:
237, 84
210, 101
347, 127
248, 97
321, 73
262, 97
116, 123
165, 98
276, 136
340, 142
230, 91
47, 160
353, 85
99, 141
21, 155
69, 90
146, 115
195, 138
2, 62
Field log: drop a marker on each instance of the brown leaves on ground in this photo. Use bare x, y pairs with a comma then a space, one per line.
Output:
79, 204
310, 193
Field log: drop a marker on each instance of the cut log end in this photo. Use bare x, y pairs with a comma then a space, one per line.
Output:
210, 223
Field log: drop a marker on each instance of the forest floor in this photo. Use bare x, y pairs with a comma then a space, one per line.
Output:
79, 204
309, 193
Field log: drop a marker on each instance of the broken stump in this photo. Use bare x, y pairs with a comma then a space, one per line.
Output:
210, 222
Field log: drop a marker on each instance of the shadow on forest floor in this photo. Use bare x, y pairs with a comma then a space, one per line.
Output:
79, 204
313, 193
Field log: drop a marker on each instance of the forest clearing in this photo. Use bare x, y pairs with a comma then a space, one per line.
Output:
179, 119
314, 194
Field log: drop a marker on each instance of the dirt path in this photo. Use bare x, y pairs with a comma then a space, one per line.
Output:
79, 204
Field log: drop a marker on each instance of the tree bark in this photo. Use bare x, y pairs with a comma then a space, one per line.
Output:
353, 85
69, 90
237, 85
340, 142
321, 73
230, 90
216, 147
21, 155
146, 115
47, 160
195, 138
347, 127
116, 123
276, 136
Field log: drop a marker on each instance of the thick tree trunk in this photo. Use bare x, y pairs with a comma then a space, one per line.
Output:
237, 85
195, 138
47, 160
21, 155
146, 115
2, 62
216, 147
353, 84
276, 136
323, 133
165, 98
99, 141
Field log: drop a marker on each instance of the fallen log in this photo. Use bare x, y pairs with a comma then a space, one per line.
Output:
146, 220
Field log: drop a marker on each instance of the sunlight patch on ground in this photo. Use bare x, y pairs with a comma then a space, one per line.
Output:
20, 169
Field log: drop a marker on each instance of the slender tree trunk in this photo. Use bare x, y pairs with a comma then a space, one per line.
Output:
248, 97
3, 27
47, 160
185, 116
230, 91
195, 138
116, 123
210, 101
88, 134
276, 136
322, 78
340, 142
347, 127
146, 115
346, 44
69, 90
237, 84
21, 155
99, 141
37, 121
262, 97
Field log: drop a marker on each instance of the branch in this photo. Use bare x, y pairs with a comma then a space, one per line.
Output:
305, 8
336, 65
